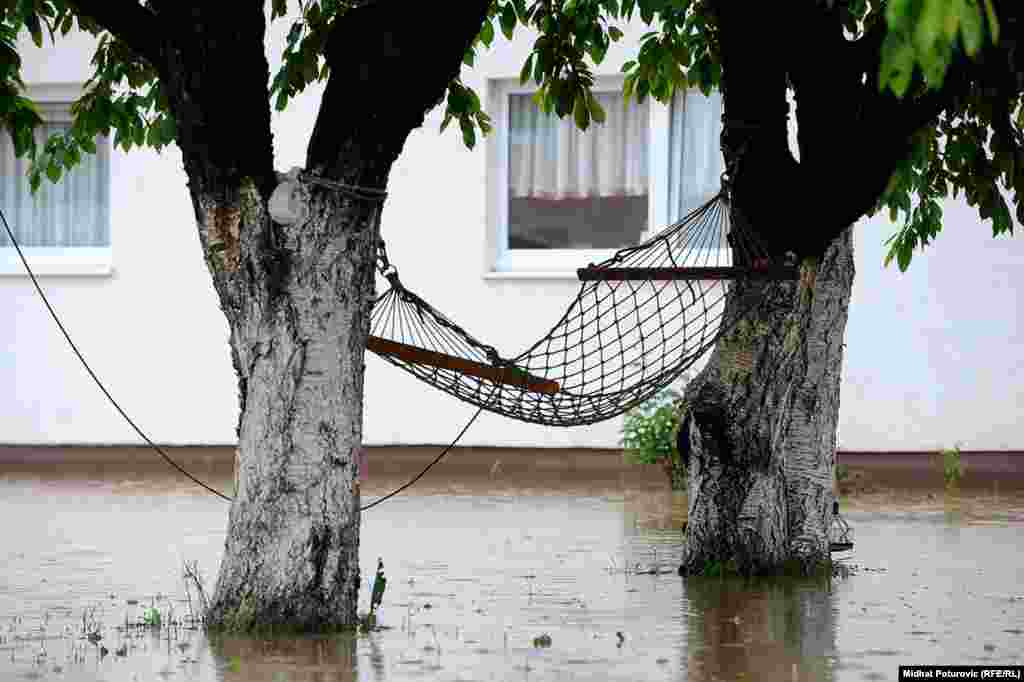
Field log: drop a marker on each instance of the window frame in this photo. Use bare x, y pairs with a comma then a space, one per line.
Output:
505, 263
54, 101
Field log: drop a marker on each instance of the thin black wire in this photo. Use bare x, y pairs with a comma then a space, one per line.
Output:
159, 450
426, 468
53, 314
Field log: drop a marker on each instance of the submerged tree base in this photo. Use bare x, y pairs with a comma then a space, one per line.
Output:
245, 621
301, 614
818, 567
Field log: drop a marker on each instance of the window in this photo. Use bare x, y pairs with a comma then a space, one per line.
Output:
65, 227
560, 198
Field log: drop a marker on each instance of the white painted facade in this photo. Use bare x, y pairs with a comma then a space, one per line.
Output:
933, 355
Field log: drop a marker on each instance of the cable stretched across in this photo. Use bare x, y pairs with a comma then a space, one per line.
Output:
96, 379
426, 468
142, 434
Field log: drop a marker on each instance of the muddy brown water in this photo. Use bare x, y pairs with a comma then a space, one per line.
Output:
488, 558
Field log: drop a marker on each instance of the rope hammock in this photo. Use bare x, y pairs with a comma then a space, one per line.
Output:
641, 318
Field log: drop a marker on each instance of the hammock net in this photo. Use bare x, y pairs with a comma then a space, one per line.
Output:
640, 319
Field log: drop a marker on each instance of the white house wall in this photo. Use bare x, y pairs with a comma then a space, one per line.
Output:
932, 354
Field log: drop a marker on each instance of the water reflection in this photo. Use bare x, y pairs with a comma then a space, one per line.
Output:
316, 659
784, 629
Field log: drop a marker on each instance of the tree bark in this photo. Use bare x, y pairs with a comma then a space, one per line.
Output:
763, 411
291, 555
763, 420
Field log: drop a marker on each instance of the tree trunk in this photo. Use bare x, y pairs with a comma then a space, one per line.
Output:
676, 473
298, 335
763, 421
298, 298
675, 464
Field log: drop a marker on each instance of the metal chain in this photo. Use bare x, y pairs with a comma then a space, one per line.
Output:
374, 194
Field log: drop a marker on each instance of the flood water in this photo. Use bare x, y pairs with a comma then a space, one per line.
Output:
482, 570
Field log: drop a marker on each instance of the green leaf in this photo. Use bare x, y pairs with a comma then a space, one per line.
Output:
898, 13
538, 68
993, 22
930, 24
468, 132
897, 66
313, 13
1001, 221
971, 27
906, 253
596, 110
580, 112
73, 156
628, 65
508, 20
33, 26
487, 33
952, 20
524, 74
53, 171
294, 34
168, 129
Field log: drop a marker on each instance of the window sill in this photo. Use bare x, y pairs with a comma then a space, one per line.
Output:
531, 275
57, 262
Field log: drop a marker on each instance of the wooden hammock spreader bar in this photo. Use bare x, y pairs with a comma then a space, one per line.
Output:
594, 274
422, 356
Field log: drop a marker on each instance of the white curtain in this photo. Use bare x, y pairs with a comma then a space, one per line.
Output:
74, 212
551, 158
695, 156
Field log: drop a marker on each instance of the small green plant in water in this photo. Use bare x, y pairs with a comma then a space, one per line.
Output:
151, 617
367, 622
379, 584
542, 641
952, 466
842, 472
715, 568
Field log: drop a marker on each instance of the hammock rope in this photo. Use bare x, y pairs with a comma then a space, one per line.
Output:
641, 318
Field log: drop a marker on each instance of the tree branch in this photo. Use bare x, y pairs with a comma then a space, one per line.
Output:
855, 135
216, 77
387, 71
130, 22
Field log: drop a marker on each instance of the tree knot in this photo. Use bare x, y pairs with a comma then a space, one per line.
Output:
223, 224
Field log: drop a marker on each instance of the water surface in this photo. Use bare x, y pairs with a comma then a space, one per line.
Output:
481, 567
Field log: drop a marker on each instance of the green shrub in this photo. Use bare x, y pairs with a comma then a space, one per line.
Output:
952, 466
151, 617
842, 472
649, 431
